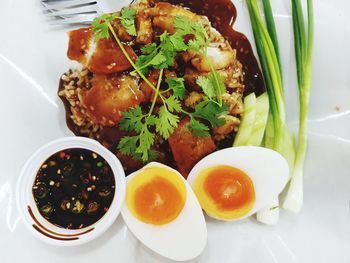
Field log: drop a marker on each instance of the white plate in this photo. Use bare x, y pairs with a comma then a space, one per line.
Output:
32, 58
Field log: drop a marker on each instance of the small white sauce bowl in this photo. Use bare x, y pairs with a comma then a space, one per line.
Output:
40, 227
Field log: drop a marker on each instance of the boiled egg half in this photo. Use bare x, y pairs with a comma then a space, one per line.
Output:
234, 183
162, 211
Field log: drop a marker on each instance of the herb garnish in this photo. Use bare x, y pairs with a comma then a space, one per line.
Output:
186, 27
213, 86
100, 25
162, 56
128, 20
177, 86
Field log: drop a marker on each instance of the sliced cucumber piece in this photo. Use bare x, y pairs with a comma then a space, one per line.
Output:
261, 116
247, 121
269, 133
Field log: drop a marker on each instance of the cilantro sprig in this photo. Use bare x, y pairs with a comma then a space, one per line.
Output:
196, 30
134, 120
128, 20
162, 56
177, 85
199, 129
213, 86
100, 25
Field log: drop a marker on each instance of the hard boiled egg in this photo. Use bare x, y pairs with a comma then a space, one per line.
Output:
234, 183
162, 211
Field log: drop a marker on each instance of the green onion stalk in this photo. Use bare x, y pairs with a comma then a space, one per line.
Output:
268, 51
277, 135
272, 72
303, 54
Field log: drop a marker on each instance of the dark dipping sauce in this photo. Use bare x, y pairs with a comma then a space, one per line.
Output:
74, 188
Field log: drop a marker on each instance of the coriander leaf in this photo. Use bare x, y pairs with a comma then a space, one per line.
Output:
213, 86
142, 63
151, 120
161, 56
218, 83
146, 140
100, 25
128, 144
173, 104
128, 13
178, 42
158, 59
211, 111
178, 87
194, 45
170, 59
132, 120
128, 20
206, 86
166, 122
198, 128
186, 27
201, 36
131, 146
149, 48
153, 59
168, 50
165, 41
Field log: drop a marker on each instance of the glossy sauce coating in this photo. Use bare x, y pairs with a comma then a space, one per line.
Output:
108, 57
109, 97
79, 44
187, 149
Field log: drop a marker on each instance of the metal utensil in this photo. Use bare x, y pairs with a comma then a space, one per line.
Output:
65, 12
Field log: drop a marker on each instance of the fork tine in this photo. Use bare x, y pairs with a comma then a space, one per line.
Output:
72, 11
79, 19
66, 4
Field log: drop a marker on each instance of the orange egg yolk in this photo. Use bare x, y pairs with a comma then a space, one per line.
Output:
156, 195
224, 192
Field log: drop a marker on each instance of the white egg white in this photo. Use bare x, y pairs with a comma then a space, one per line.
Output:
267, 169
182, 239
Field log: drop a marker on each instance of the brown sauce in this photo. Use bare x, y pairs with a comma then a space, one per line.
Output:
222, 14
74, 188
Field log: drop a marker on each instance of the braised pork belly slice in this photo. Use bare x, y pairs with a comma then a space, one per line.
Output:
218, 56
104, 57
110, 96
188, 149
79, 44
